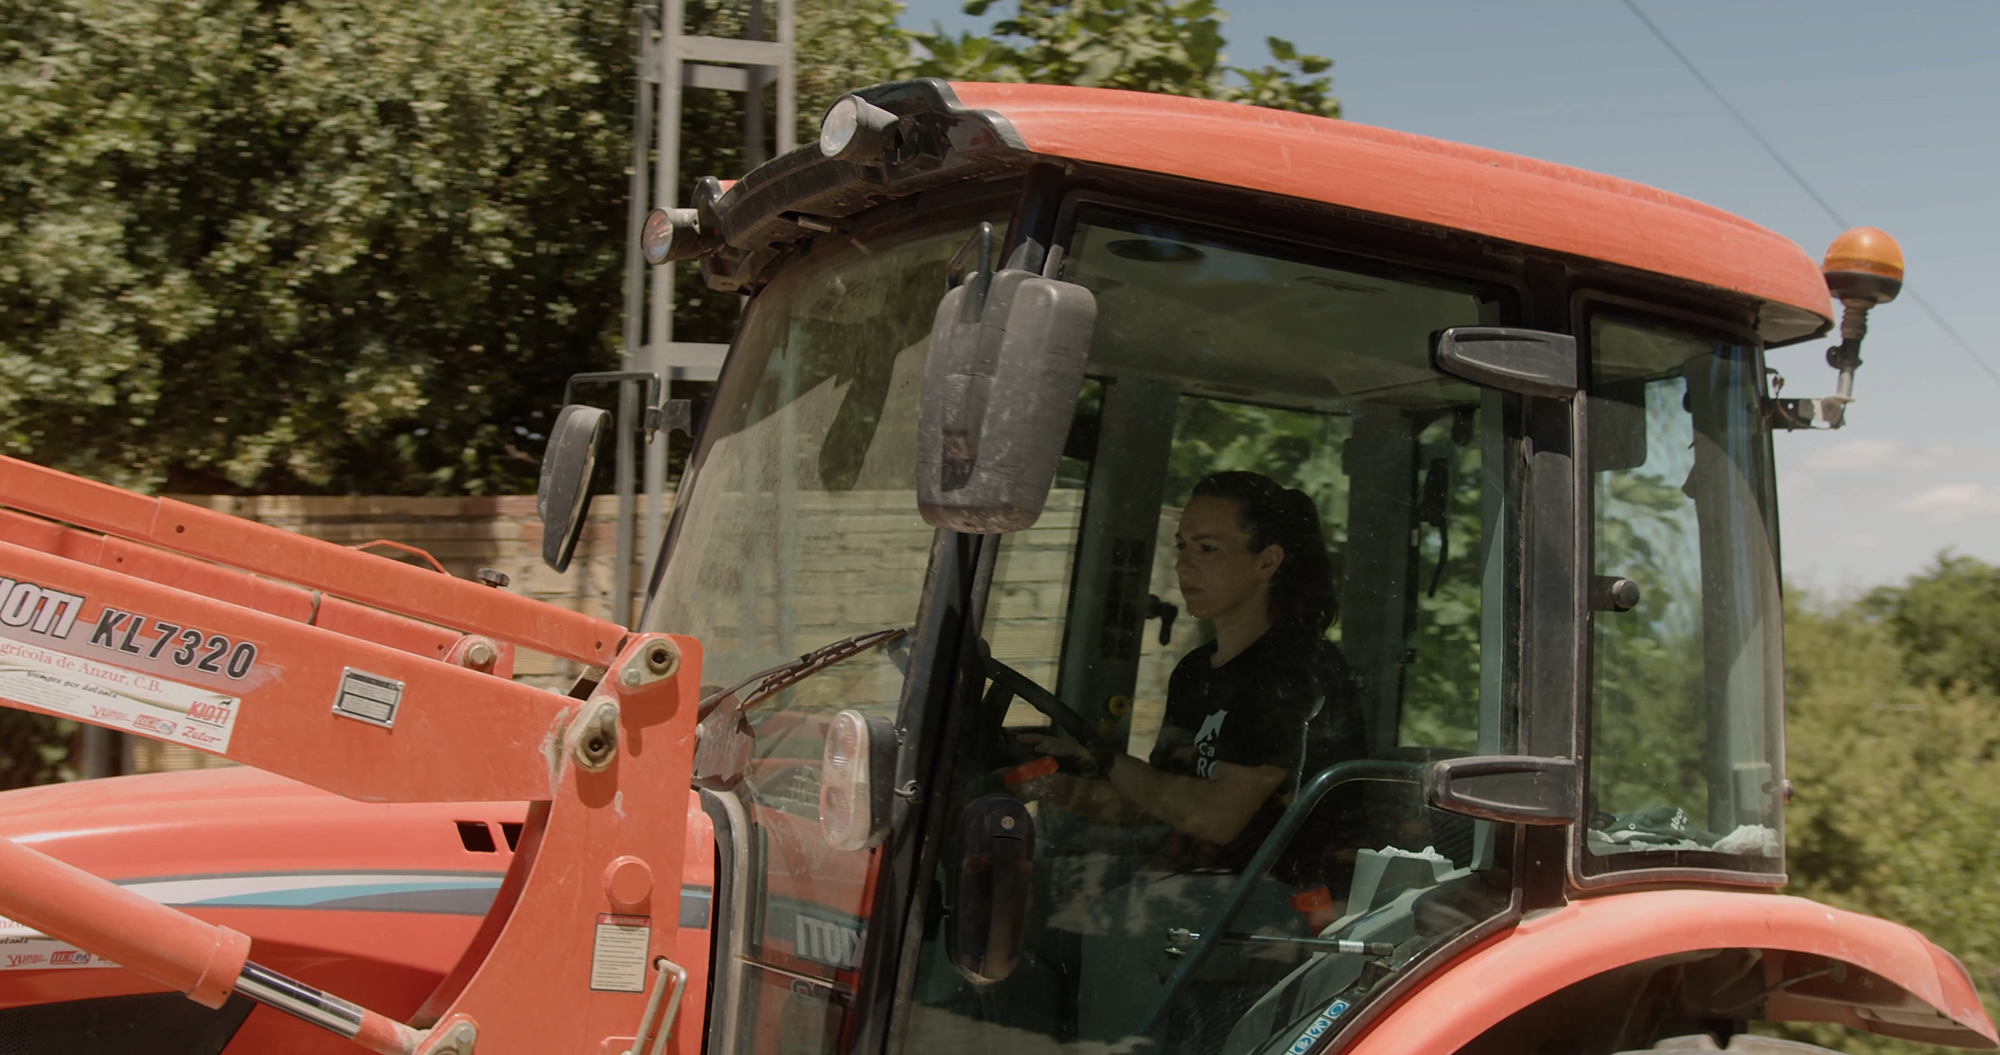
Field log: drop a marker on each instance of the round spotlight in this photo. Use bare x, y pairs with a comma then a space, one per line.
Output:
855, 130
664, 228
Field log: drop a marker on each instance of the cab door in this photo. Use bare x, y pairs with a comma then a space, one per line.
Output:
1219, 352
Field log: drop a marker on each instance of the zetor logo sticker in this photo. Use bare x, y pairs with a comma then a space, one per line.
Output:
185, 646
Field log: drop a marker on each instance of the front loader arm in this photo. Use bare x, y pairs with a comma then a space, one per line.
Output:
336, 570
196, 628
362, 719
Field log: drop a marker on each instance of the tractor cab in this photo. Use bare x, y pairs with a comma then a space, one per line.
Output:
1018, 369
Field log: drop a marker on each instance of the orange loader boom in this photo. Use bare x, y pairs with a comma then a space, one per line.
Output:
375, 680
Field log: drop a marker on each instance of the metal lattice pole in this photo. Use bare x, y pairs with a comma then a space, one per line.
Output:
670, 61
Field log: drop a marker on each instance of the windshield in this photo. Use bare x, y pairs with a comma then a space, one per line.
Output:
799, 529
1273, 579
1687, 747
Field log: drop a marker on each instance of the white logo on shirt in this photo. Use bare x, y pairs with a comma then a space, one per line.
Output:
1204, 743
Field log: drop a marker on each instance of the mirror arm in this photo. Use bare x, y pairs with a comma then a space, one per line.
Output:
608, 377
668, 414
954, 272
675, 414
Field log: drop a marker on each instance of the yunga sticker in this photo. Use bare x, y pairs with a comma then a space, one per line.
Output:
24, 948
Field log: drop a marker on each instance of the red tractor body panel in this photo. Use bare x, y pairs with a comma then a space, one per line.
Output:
371, 900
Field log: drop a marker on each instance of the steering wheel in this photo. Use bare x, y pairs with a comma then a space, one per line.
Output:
1062, 714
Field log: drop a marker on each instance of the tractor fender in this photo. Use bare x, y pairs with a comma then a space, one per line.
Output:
1550, 950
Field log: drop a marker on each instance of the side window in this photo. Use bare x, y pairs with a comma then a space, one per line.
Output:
1685, 690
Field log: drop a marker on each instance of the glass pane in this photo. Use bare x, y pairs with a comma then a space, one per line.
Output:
1268, 573
801, 528
1686, 742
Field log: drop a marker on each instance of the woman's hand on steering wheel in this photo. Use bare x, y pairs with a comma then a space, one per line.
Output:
1057, 746
1089, 742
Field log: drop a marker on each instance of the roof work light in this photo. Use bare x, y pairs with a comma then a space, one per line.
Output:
855, 130
669, 235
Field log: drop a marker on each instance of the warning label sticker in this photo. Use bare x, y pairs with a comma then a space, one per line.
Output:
26, 949
116, 697
618, 959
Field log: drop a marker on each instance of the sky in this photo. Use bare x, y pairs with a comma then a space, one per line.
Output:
1891, 111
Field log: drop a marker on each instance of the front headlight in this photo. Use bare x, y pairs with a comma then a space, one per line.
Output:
856, 777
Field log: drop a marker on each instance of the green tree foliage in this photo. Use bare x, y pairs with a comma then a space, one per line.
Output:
1897, 788
346, 245
34, 748
1168, 46
356, 245
1948, 621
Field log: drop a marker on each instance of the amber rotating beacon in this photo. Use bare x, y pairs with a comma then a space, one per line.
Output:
1863, 268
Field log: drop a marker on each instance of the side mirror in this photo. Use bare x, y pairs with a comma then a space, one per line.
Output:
996, 868
1006, 365
567, 468
1531, 362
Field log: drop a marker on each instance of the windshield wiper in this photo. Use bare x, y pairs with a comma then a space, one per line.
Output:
764, 684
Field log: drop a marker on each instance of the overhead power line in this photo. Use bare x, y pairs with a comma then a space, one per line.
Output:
1799, 178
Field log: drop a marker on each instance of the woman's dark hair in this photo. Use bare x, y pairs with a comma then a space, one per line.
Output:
1302, 592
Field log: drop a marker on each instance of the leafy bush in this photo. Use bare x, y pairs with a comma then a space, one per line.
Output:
1893, 737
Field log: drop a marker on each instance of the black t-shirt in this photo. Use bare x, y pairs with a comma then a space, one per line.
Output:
1258, 709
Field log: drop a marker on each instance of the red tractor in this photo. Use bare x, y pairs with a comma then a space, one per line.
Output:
1153, 576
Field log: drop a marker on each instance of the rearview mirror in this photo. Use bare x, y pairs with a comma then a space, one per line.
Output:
1531, 362
1006, 366
567, 468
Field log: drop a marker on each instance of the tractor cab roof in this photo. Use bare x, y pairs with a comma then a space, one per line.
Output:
953, 132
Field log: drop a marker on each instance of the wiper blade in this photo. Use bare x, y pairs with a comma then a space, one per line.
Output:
764, 684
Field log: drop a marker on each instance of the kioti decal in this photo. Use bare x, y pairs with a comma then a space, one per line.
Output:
42, 632
117, 698
38, 609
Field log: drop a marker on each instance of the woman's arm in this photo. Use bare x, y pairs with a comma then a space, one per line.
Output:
1215, 808
1094, 798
